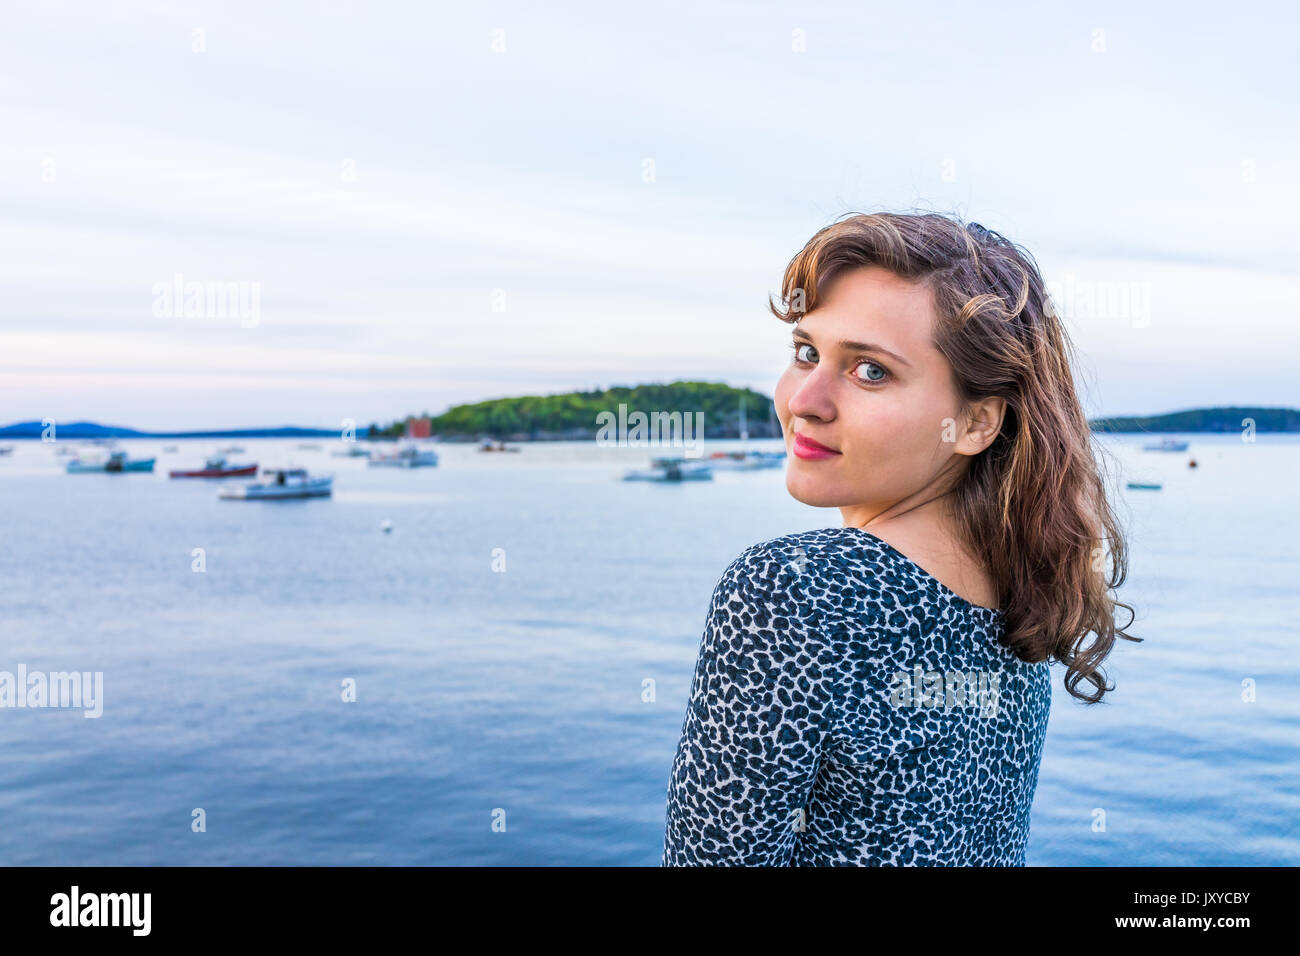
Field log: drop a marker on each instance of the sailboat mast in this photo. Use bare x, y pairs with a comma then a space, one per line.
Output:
744, 425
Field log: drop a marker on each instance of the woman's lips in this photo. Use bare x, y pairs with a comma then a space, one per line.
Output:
810, 450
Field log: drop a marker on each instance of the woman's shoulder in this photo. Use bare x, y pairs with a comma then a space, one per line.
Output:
826, 565
823, 550
776, 612
847, 575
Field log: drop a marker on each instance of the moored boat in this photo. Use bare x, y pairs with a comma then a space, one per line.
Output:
217, 467
407, 456
1145, 485
746, 460
672, 470
114, 463
1166, 444
282, 483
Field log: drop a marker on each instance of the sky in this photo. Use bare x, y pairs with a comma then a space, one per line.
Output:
424, 204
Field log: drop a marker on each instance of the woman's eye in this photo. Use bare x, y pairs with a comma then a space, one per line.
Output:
804, 352
866, 377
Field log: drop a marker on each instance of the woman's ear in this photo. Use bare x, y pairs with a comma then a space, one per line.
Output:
984, 421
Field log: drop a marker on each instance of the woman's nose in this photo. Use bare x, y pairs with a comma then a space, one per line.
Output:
813, 398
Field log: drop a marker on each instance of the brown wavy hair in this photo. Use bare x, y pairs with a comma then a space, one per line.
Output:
1033, 505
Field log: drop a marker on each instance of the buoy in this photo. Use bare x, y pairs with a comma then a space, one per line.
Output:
387, 526
1192, 463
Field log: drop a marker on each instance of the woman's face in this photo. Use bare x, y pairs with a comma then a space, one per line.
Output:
866, 430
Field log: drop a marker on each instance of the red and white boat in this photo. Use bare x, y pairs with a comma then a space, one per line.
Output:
218, 467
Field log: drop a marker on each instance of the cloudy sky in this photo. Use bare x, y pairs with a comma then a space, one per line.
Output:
430, 203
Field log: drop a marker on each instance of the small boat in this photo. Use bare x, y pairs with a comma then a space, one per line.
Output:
746, 460
408, 456
217, 467
282, 483
114, 463
232, 450
673, 470
170, 450
1145, 485
1165, 444
310, 446
352, 451
6, 450
489, 444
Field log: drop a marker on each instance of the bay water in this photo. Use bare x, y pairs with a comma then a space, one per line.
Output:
520, 645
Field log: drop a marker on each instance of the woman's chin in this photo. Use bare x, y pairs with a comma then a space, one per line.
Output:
809, 491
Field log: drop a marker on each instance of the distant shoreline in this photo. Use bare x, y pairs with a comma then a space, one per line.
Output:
576, 415
92, 430
1200, 421
1230, 419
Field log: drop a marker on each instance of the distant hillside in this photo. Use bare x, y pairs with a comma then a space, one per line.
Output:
1205, 420
95, 430
573, 415
69, 430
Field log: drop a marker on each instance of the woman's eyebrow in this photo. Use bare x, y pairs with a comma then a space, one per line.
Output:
858, 347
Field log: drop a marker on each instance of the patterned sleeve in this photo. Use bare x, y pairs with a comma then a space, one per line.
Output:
756, 726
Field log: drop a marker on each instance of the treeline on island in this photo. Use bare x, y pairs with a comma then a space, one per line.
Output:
578, 415
1230, 419
574, 415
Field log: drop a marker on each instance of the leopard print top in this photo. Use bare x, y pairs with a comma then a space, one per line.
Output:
849, 709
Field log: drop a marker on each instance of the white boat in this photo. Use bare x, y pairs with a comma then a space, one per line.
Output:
672, 469
283, 483
1165, 444
407, 456
746, 460
115, 463
353, 450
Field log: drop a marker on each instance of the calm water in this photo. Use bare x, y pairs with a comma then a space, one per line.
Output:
522, 691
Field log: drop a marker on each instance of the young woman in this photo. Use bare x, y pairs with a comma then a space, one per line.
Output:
877, 694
